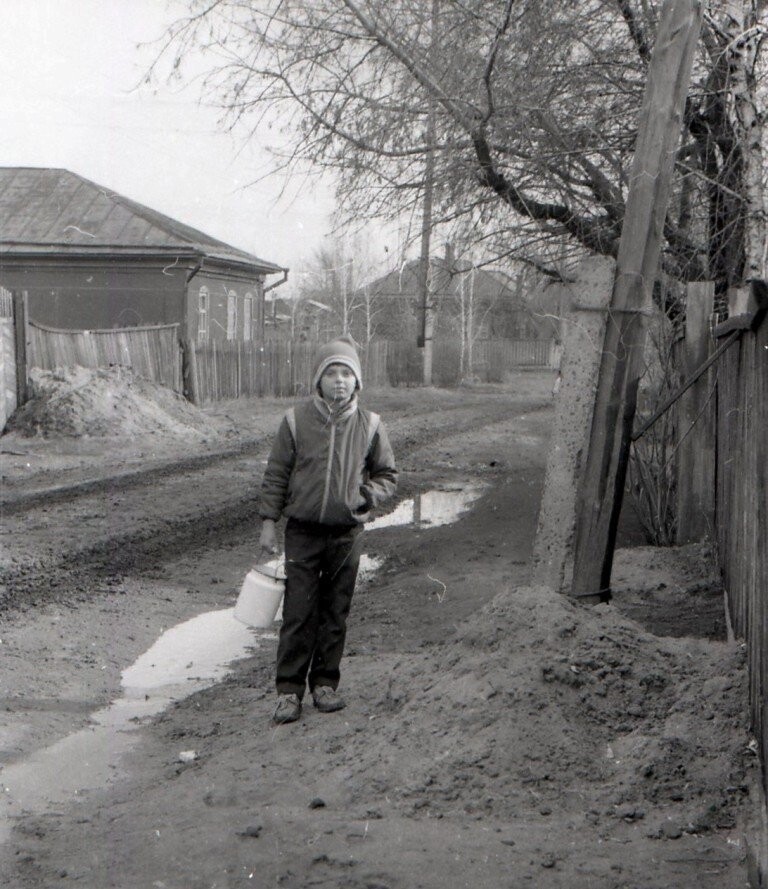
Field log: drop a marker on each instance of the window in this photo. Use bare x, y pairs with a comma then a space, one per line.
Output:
6, 303
231, 315
203, 315
248, 317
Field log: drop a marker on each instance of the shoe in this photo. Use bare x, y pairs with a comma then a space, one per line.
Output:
327, 699
288, 709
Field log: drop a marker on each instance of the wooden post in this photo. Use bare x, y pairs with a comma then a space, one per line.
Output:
189, 372
696, 423
21, 325
602, 485
583, 331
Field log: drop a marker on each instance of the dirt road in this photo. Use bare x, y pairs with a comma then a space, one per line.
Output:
495, 735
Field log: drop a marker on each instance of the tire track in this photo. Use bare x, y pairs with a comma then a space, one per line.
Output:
152, 524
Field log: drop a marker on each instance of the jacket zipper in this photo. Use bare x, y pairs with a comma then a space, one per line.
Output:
329, 466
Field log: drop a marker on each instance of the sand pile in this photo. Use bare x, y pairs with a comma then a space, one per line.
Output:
104, 402
544, 705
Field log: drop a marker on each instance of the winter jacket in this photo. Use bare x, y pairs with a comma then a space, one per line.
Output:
335, 471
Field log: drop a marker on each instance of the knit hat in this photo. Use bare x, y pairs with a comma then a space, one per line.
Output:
339, 351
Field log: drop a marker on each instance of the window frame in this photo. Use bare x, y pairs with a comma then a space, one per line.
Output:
203, 314
248, 317
231, 315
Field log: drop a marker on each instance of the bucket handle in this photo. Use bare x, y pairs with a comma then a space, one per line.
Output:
273, 572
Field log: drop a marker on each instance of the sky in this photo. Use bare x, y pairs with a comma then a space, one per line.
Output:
70, 96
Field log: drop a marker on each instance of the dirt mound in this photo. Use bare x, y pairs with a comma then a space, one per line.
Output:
104, 402
542, 704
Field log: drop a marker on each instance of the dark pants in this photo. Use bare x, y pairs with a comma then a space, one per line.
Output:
321, 564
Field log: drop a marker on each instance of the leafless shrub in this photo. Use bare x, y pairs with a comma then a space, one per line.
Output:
651, 476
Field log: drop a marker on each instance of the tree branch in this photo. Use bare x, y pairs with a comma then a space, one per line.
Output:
635, 30
489, 65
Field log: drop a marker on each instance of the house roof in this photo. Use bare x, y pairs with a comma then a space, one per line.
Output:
51, 212
404, 281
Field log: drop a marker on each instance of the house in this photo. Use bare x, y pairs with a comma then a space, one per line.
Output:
486, 302
92, 259
298, 317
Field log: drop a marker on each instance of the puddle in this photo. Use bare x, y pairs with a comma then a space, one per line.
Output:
430, 509
188, 657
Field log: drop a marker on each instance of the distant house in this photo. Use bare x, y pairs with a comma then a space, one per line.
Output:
498, 309
298, 317
92, 259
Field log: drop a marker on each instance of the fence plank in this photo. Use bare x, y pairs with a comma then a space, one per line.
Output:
695, 479
8, 394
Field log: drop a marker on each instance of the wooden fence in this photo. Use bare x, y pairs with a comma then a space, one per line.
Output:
742, 506
152, 352
722, 464
220, 371
216, 371
491, 361
230, 370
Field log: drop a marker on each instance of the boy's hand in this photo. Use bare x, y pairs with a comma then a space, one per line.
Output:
268, 538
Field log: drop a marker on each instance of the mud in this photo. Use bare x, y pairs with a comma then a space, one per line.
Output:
495, 734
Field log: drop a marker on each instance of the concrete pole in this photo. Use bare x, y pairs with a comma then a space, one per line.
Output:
583, 331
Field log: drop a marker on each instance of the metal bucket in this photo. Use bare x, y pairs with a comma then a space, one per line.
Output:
261, 595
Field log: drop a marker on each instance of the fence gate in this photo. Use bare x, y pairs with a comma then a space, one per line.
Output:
7, 358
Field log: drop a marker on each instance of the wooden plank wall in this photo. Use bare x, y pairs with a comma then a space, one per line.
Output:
152, 352
742, 506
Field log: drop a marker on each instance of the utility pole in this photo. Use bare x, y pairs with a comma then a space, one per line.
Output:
602, 484
425, 340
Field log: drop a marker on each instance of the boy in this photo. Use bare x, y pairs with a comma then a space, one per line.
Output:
330, 465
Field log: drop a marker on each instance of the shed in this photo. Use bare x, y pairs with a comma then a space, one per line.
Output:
91, 259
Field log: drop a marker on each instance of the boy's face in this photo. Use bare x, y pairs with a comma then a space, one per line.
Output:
337, 382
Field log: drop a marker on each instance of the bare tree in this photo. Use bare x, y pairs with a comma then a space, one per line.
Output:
337, 278
526, 109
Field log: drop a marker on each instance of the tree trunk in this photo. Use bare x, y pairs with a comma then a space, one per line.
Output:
742, 27
463, 324
470, 322
368, 319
